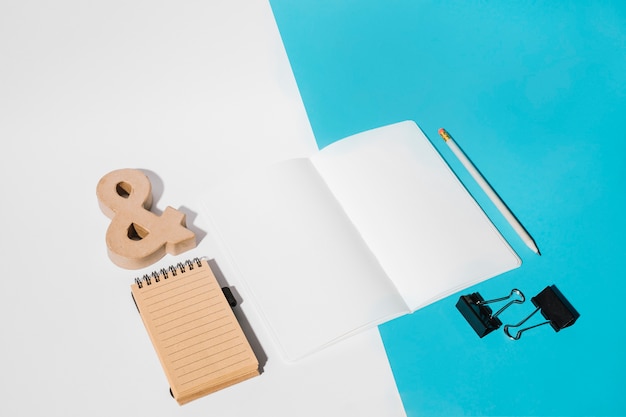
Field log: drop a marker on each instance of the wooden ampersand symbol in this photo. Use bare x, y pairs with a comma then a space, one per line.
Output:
137, 237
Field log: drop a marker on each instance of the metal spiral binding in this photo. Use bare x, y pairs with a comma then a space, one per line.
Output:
164, 273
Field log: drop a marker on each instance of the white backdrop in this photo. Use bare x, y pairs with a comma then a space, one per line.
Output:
189, 92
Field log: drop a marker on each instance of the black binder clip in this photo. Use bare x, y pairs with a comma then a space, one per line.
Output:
558, 312
475, 310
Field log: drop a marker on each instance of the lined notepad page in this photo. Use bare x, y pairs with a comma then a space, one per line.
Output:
194, 331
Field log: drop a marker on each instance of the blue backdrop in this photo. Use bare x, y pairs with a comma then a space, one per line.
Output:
535, 93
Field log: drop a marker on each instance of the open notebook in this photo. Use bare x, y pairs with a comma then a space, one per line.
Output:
371, 227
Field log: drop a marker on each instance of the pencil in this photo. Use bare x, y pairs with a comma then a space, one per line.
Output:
493, 196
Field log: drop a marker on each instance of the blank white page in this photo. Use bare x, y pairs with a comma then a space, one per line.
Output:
425, 229
302, 263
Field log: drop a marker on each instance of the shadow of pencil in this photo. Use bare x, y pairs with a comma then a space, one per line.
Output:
241, 318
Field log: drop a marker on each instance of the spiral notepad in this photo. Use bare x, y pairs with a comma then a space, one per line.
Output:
193, 329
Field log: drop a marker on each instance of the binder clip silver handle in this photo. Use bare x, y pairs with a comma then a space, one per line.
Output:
519, 332
507, 305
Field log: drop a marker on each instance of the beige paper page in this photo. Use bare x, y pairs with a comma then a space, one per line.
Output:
193, 330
